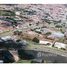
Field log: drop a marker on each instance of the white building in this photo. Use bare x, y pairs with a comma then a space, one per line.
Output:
6, 37
56, 35
60, 45
17, 12
45, 42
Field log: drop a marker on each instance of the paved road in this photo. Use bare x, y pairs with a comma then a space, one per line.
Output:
47, 49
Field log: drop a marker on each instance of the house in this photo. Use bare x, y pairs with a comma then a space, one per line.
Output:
56, 35
6, 37
45, 42
60, 45
17, 12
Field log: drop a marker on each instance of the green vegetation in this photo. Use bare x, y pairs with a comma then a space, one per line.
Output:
24, 61
30, 24
48, 33
35, 40
58, 26
17, 32
63, 49
14, 22
28, 12
7, 13
62, 30
61, 40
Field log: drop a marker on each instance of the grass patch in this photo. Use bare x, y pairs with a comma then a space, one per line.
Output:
24, 61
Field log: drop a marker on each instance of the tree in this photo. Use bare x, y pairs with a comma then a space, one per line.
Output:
7, 57
48, 33
58, 26
36, 40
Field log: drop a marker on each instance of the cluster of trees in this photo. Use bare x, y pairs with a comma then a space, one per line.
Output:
12, 20
29, 12
10, 44
58, 26
7, 13
17, 32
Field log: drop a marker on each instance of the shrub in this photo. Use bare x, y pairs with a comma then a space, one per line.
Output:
35, 40
58, 26
63, 48
48, 33
17, 32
